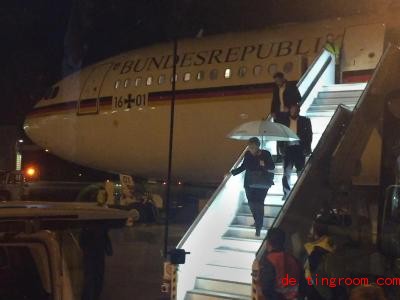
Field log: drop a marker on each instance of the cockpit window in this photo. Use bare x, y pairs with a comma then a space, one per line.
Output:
54, 92
47, 94
51, 93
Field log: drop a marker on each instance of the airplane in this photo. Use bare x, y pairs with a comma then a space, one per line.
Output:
114, 115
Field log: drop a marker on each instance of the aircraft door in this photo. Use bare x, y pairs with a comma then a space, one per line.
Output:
362, 47
89, 98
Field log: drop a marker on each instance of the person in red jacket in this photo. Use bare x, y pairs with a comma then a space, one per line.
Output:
279, 266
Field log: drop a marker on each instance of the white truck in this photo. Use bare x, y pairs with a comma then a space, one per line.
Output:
54, 251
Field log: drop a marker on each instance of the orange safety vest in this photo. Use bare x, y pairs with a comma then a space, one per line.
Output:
285, 265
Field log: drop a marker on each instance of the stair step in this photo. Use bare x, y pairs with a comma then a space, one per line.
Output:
327, 114
325, 108
340, 94
336, 101
360, 86
198, 294
276, 189
278, 179
269, 210
244, 232
223, 286
238, 243
239, 275
247, 220
271, 199
319, 125
226, 248
232, 259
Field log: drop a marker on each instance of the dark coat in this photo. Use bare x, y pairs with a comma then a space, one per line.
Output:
252, 163
304, 131
291, 96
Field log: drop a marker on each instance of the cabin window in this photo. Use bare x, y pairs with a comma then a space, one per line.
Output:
288, 67
149, 80
126, 83
214, 74
138, 81
55, 92
116, 84
186, 77
242, 71
272, 69
161, 79
228, 73
176, 78
257, 70
200, 75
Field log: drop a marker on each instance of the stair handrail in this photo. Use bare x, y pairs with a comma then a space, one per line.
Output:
313, 63
209, 202
188, 241
312, 78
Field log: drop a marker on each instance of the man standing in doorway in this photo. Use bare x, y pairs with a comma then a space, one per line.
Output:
284, 94
295, 152
332, 46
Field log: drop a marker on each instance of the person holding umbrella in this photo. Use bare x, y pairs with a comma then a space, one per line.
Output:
257, 180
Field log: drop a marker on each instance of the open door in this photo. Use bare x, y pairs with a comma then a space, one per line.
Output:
89, 98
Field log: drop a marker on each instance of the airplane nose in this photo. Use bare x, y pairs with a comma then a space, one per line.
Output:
33, 127
52, 130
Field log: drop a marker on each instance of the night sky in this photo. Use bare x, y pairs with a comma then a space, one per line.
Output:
34, 33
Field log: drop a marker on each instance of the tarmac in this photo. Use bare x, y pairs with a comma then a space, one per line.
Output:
134, 271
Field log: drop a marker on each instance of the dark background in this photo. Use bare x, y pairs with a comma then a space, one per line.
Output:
37, 36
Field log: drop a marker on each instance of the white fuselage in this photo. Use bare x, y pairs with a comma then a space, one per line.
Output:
115, 115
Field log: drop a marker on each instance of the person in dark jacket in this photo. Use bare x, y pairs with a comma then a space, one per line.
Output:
255, 159
324, 259
295, 152
278, 267
284, 95
95, 244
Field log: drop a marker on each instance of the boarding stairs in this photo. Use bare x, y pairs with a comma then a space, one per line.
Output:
222, 241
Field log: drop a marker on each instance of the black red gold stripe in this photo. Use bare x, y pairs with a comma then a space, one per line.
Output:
50, 109
157, 98
70, 106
